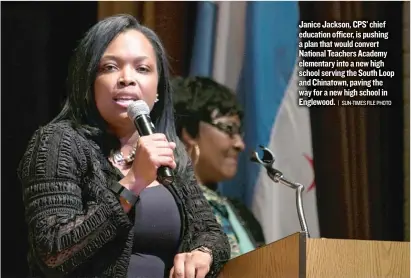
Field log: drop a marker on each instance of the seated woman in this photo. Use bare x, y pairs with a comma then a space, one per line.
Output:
208, 121
93, 201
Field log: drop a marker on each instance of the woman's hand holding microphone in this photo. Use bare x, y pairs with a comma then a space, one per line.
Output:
152, 151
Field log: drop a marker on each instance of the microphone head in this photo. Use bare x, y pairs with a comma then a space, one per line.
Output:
137, 108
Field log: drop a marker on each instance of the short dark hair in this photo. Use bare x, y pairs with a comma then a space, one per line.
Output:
80, 106
196, 98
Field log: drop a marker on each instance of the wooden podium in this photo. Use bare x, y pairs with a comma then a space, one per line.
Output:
298, 256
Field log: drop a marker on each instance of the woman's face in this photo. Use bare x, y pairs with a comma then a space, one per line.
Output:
219, 149
127, 72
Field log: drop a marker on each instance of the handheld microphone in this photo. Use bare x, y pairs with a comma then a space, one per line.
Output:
139, 113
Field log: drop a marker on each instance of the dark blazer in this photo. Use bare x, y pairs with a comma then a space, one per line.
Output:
76, 225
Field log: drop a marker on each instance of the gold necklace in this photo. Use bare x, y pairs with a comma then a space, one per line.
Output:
119, 159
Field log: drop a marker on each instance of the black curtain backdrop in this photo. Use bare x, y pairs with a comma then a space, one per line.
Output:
358, 151
37, 41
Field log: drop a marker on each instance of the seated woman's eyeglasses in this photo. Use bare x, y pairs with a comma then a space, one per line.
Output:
230, 129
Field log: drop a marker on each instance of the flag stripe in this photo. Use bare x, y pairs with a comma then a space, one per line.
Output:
203, 49
268, 65
274, 204
229, 44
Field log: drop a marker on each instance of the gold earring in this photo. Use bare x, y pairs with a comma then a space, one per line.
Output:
156, 98
196, 155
